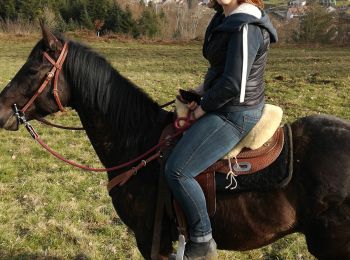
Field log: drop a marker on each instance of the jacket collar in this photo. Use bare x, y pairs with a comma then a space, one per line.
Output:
237, 20
247, 8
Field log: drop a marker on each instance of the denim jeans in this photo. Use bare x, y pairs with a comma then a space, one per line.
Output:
208, 140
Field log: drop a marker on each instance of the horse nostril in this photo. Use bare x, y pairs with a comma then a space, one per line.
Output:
2, 120
5, 115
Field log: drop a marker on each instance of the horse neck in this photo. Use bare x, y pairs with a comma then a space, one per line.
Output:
111, 147
121, 126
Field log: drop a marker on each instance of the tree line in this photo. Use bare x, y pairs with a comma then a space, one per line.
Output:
102, 16
169, 22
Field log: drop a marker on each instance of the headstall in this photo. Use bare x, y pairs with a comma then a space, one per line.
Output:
54, 73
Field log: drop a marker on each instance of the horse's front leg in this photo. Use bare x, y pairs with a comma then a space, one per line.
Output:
144, 241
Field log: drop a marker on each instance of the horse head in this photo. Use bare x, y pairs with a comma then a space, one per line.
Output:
26, 89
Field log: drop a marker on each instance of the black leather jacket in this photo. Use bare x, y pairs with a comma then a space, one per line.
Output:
223, 48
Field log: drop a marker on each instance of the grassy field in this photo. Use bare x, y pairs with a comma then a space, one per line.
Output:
51, 211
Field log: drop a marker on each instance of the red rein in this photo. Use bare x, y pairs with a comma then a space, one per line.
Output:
120, 179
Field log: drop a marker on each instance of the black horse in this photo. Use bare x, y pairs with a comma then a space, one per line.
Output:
122, 122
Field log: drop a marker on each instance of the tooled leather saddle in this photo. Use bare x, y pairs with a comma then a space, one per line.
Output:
246, 162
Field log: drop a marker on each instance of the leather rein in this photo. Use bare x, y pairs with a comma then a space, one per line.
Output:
54, 74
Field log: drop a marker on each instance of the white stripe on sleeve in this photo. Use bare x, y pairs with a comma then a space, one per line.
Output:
245, 63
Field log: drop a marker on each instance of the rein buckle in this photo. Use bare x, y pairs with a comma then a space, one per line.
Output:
50, 75
21, 119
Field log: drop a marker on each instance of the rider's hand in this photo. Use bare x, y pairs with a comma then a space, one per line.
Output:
198, 113
192, 106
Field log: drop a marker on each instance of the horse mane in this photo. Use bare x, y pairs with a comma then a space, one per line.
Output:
128, 109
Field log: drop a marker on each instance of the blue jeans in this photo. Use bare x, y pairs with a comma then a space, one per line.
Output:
207, 141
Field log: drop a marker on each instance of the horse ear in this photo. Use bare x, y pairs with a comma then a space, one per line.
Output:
50, 40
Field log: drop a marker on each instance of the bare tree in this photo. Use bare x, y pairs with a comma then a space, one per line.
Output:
191, 4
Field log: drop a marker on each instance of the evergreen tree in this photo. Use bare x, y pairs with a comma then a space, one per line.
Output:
8, 9
149, 23
113, 19
91, 14
73, 10
120, 21
128, 23
28, 9
98, 9
86, 19
61, 26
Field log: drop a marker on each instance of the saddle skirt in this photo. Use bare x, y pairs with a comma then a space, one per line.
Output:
250, 161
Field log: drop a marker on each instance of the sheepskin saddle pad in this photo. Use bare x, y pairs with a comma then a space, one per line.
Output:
260, 134
259, 148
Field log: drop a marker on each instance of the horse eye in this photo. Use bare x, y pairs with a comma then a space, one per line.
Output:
33, 70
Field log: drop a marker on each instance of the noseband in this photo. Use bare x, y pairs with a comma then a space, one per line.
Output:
53, 73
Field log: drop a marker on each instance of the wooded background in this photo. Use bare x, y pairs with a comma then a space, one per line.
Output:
171, 20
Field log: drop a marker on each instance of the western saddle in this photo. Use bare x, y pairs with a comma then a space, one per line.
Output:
256, 151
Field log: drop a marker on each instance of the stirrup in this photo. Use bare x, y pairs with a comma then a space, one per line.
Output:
181, 248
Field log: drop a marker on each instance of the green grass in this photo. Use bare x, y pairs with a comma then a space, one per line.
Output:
49, 210
343, 2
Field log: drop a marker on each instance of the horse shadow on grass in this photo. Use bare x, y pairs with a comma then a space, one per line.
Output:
31, 256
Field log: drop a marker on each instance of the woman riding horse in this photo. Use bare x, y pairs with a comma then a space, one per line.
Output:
316, 201
236, 44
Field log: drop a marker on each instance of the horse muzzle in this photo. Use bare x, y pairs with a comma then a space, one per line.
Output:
11, 123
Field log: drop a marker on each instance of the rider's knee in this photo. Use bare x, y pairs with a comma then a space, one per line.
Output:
172, 171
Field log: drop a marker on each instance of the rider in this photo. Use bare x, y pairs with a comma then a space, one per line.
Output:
236, 44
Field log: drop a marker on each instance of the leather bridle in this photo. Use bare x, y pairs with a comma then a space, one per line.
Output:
54, 73
121, 178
